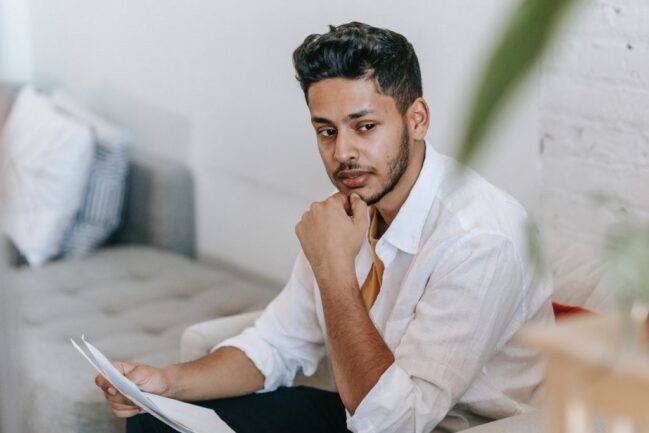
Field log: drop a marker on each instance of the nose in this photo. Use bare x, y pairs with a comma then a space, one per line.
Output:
346, 148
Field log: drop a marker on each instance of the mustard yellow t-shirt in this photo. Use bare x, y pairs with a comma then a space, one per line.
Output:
372, 285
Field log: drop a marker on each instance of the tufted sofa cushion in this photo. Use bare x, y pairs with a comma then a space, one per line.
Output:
132, 302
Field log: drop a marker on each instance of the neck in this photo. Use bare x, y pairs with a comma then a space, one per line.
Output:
389, 205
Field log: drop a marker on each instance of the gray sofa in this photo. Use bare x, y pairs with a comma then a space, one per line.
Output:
132, 299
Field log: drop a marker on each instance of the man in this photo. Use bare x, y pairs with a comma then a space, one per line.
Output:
412, 279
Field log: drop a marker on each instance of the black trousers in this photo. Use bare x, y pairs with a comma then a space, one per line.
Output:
287, 410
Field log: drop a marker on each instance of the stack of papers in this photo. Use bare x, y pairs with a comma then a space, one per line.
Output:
184, 417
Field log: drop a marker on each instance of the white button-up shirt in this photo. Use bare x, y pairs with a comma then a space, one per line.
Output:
458, 285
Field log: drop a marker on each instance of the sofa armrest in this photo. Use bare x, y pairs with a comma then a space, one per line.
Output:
530, 422
159, 208
198, 339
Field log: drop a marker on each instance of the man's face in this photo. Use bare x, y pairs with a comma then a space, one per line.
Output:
362, 138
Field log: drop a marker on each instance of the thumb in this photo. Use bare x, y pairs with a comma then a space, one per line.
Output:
137, 374
359, 208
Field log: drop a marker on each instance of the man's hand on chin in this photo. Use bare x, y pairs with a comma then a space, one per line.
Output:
330, 237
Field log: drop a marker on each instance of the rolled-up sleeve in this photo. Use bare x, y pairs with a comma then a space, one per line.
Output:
287, 338
472, 305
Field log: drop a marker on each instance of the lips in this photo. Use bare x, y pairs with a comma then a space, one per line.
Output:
353, 178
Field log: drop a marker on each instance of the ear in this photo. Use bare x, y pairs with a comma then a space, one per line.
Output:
418, 118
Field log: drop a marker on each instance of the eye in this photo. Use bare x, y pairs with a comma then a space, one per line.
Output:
367, 127
326, 132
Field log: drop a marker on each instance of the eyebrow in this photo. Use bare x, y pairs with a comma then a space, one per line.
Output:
358, 114
352, 116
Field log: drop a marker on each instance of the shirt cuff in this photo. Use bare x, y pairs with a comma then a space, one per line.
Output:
262, 354
386, 407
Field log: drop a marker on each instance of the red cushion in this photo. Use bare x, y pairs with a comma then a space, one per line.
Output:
563, 311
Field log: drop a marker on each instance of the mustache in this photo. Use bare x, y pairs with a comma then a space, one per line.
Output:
351, 166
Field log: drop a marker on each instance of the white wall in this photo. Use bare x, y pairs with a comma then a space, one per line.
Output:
15, 41
15, 65
595, 124
594, 109
211, 84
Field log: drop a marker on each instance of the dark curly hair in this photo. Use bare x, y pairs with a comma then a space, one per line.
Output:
357, 50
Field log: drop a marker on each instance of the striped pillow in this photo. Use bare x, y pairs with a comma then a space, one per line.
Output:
101, 210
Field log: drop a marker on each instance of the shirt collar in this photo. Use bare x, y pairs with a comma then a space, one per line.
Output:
405, 231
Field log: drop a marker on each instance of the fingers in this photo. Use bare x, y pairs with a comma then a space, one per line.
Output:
119, 405
358, 207
352, 205
104, 384
118, 401
348, 208
117, 398
339, 197
126, 412
138, 375
124, 367
113, 396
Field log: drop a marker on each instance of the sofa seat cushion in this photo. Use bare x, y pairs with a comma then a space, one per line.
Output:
133, 303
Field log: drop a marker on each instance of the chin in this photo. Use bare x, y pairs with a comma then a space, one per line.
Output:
363, 195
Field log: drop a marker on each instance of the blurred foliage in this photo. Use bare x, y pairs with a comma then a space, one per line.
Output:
525, 38
629, 264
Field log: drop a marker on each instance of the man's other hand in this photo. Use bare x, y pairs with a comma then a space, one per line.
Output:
331, 233
147, 378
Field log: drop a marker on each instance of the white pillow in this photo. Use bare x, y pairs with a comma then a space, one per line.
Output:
48, 158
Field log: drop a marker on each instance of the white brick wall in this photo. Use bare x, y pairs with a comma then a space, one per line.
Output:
594, 121
595, 115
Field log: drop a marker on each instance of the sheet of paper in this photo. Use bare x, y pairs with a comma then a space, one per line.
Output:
114, 376
198, 418
131, 391
138, 398
184, 417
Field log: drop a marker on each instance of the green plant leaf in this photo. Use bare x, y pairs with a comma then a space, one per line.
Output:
629, 264
530, 29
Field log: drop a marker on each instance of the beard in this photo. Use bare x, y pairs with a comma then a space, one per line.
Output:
397, 167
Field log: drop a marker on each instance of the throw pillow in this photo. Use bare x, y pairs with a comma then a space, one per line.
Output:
101, 210
48, 158
563, 311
